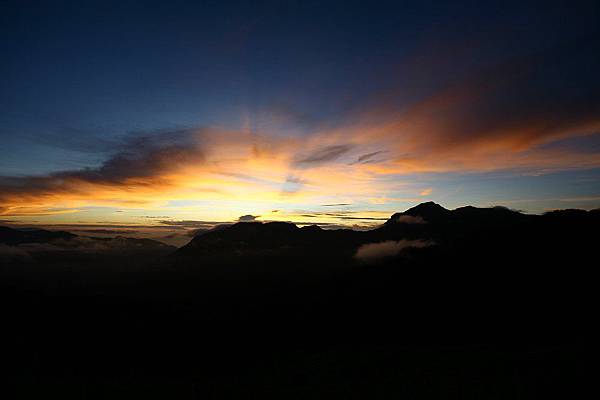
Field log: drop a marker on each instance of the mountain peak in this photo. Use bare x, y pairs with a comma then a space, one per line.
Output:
425, 212
426, 208
429, 211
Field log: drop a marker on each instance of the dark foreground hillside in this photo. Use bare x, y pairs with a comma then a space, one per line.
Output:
463, 304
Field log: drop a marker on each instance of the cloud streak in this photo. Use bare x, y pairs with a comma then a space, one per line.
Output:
326, 154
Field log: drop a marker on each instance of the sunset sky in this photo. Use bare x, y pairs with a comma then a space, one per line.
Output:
169, 117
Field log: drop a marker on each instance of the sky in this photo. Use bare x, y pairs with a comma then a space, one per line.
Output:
174, 116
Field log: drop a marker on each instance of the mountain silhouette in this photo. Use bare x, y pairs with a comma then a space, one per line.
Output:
490, 300
426, 221
423, 237
429, 212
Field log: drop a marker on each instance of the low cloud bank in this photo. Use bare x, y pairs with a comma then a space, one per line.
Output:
81, 245
373, 252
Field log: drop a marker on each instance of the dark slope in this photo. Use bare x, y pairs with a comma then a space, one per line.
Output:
496, 308
483, 265
475, 258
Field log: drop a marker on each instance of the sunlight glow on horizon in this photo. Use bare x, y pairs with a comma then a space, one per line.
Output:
375, 164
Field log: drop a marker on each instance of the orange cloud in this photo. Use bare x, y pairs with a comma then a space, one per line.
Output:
236, 166
493, 121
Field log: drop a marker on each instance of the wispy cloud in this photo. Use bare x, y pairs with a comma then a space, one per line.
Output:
369, 157
326, 154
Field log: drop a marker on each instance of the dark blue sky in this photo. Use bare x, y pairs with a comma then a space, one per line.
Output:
79, 79
73, 70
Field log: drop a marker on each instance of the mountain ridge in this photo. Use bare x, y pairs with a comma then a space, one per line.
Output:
428, 222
